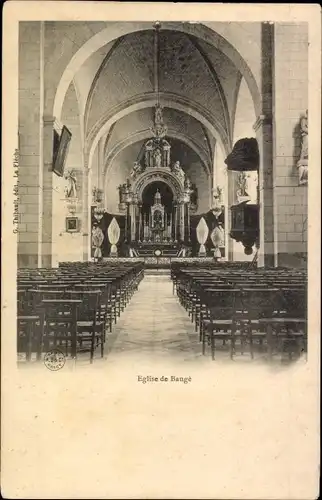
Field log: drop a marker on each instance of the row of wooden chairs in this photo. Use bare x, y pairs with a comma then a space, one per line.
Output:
72, 311
258, 307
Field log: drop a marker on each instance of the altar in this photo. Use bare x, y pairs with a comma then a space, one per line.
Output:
158, 197
158, 209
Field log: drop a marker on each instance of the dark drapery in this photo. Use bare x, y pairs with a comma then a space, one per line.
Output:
104, 224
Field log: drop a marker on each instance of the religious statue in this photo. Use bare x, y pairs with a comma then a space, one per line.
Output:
187, 184
187, 189
157, 158
177, 170
194, 195
218, 193
304, 157
97, 195
137, 169
242, 185
97, 241
122, 189
71, 187
304, 134
158, 114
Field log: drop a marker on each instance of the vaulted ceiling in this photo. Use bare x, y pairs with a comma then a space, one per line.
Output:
192, 76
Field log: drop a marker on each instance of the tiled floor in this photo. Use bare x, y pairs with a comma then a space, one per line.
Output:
154, 325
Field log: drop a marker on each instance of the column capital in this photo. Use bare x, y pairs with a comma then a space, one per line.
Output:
262, 120
52, 120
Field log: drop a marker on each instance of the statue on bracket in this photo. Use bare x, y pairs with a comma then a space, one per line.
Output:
177, 170
97, 195
303, 162
137, 169
194, 197
124, 191
217, 207
71, 186
188, 189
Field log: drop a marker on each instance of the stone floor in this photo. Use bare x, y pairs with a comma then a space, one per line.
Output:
154, 325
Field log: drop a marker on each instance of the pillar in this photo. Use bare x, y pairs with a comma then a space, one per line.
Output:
31, 162
290, 103
264, 134
174, 221
181, 221
46, 242
86, 220
133, 216
263, 129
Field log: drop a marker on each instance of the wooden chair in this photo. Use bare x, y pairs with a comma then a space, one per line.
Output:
30, 329
75, 324
221, 324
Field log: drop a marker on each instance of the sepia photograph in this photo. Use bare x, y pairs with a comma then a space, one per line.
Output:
168, 150
160, 212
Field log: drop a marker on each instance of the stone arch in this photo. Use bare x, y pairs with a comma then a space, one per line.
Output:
163, 176
117, 30
142, 102
146, 134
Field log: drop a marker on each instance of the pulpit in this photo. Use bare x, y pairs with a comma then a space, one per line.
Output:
245, 225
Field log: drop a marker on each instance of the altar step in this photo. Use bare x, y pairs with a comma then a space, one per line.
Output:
156, 272
150, 252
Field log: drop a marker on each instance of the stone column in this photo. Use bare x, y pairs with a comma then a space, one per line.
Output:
264, 135
231, 201
86, 220
263, 129
174, 221
46, 243
31, 161
290, 103
133, 213
181, 221
188, 221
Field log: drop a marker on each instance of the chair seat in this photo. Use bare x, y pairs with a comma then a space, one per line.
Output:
282, 319
218, 321
89, 323
24, 318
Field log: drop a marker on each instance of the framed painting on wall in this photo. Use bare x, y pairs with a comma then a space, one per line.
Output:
61, 147
72, 225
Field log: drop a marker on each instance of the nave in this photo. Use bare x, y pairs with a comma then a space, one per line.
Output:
87, 312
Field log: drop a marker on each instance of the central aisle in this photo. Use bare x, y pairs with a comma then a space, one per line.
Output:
154, 324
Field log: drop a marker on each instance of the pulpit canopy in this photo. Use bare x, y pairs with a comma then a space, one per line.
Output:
244, 156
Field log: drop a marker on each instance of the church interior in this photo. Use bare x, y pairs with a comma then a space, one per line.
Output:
162, 190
